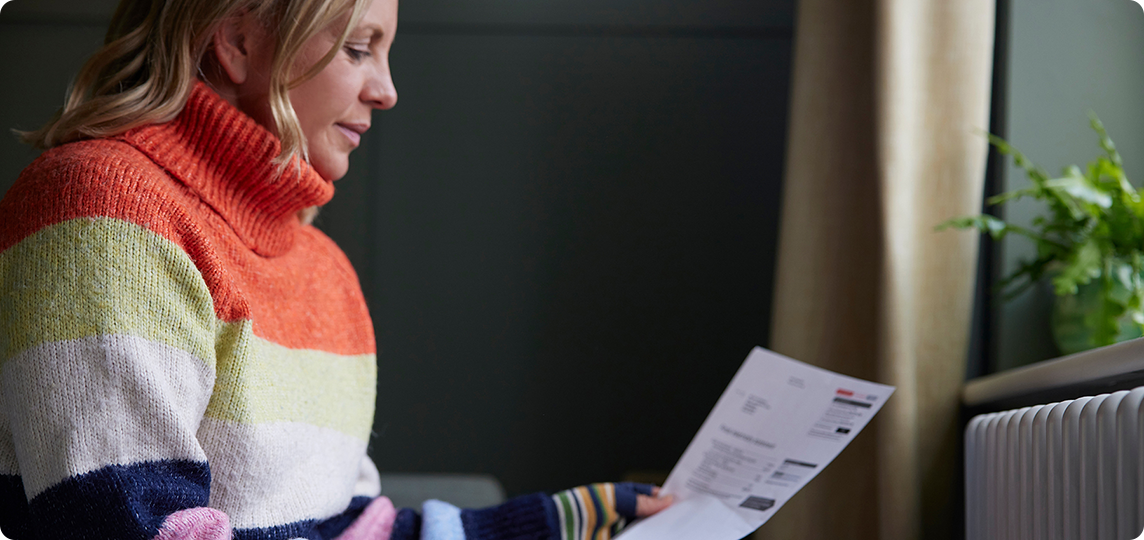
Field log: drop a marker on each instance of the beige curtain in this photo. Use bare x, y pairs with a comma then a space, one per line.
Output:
889, 102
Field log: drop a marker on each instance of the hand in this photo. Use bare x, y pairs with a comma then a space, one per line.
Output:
647, 505
602, 510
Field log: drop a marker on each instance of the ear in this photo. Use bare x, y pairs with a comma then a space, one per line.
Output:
232, 47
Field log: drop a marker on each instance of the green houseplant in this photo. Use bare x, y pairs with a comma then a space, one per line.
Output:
1090, 243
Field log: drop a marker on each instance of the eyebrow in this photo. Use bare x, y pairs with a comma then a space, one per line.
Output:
371, 31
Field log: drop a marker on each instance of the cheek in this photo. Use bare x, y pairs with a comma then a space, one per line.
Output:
325, 99
310, 108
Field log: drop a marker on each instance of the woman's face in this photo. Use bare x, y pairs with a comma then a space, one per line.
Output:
334, 107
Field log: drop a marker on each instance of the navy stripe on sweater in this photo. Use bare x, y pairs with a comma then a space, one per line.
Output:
129, 502
14, 520
334, 526
133, 502
309, 529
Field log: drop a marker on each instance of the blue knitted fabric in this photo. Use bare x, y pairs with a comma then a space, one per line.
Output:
407, 526
530, 517
441, 521
627, 494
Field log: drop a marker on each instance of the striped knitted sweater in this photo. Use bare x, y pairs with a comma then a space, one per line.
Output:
181, 358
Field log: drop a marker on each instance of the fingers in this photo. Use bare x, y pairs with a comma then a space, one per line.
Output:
647, 505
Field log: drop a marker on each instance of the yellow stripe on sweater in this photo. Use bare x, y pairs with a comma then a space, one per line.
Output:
260, 382
91, 277
100, 276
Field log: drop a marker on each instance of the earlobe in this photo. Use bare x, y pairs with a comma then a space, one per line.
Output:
229, 47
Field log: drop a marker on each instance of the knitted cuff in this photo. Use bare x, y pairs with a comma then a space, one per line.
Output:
597, 510
195, 524
375, 522
441, 521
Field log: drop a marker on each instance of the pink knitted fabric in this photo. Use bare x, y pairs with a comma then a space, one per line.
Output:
197, 524
374, 523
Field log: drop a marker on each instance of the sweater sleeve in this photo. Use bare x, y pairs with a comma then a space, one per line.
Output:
597, 511
106, 368
529, 517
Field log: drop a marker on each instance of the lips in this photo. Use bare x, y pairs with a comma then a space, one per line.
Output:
352, 131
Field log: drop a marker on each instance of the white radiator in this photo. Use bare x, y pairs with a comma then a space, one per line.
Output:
1064, 471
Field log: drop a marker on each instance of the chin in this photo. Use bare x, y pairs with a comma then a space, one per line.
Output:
331, 170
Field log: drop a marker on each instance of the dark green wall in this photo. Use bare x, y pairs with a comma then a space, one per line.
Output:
565, 229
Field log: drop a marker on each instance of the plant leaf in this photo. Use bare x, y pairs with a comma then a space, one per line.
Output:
1105, 141
1121, 288
1079, 269
1031, 271
1081, 189
1093, 229
984, 223
1105, 321
1013, 195
1036, 174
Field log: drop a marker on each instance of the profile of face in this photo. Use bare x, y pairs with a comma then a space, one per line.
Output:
334, 107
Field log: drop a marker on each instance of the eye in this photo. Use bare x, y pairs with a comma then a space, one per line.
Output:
357, 54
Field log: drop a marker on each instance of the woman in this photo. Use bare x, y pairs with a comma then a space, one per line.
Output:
181, 354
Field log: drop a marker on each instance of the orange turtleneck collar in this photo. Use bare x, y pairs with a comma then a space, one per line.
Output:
226, 157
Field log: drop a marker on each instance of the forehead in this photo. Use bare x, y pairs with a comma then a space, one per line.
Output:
380, 18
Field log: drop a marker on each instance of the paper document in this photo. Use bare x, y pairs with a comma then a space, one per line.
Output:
778, 424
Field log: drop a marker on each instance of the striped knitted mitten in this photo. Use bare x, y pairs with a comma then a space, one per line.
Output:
597, 511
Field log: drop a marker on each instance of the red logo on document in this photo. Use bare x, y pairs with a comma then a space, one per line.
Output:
844, 392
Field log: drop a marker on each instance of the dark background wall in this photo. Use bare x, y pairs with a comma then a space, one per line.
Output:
565, 229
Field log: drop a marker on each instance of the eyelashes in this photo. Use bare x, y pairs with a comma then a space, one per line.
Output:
357, 54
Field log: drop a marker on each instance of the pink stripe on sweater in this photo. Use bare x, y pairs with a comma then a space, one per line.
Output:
195, 524
374, 523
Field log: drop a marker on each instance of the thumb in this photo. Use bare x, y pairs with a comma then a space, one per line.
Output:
646, 505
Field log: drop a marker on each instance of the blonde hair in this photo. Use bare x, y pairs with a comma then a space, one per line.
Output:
153, 50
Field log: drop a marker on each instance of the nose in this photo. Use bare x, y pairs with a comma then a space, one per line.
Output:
379, 91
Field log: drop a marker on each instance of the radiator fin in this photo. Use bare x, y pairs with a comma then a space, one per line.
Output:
1072, 470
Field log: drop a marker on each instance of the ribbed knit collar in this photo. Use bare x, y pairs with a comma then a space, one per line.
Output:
226, 158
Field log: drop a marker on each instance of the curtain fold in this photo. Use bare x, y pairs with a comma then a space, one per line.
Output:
890, 101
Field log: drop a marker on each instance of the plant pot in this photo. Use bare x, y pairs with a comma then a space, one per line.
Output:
1071, 333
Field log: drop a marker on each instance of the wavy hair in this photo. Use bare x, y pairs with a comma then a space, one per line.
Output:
154, 49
